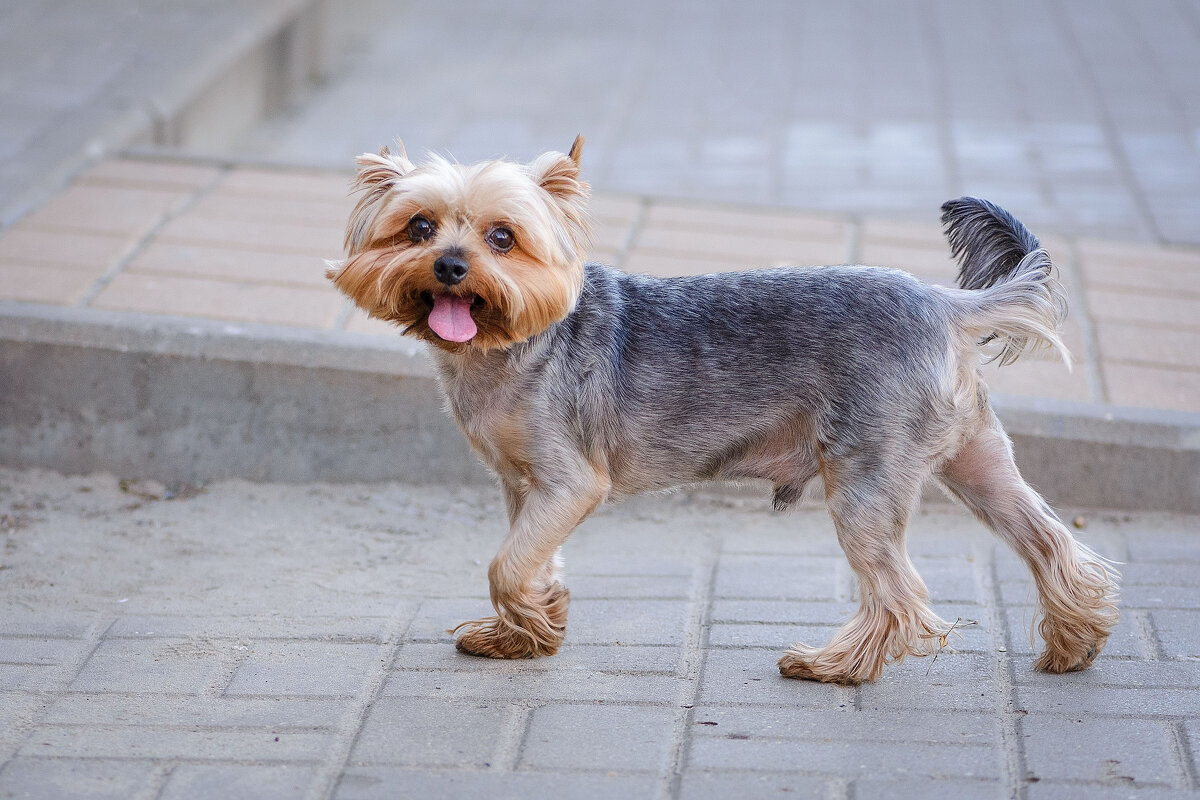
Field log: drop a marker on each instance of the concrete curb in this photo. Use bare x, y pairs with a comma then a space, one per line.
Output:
193, 400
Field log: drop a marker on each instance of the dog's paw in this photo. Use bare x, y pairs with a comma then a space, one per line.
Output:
492, 637
809, 663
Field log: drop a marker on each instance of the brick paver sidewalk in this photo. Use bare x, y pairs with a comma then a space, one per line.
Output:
245, 243
267, 641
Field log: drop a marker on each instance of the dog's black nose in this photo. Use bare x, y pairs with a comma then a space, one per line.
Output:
450, 270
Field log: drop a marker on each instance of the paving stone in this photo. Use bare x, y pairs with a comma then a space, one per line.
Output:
917, 789
424, 731
777, 576
39, 651
56, 778
25, 677
227, 744
700, 785
181, 666
752, 676
138, 173
659, 587
1058, 790
1119, 672
323, 241
847, 724
1125, 305
1084, 698
304, 668
1152, 387
107, 210
379, 783
46, 283
1100, 749
237, 781
1178, 632
515, 683
783, 611
202, 297
229, 263
776, 637
598, 737
276, 713
25, 246
346, 629
844, 758
576, 658
955, 681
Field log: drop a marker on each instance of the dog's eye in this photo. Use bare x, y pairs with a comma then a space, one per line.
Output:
420, 229
501, 239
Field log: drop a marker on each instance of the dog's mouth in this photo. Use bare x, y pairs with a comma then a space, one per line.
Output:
451, 316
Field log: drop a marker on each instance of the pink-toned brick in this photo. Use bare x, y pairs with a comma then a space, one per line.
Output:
195, 297
1152, 387
136, 173
301, 210
229, 263
616, 208
920, 235
1127, 305
106, 210
932, 264
611, 235
743, 222
263, 182
741, 247
1138, 256
318, 241
45, 283
1035, 377
1147, 344
652, 262
25, 245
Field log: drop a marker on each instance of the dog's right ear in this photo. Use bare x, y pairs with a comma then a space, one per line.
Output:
376, 176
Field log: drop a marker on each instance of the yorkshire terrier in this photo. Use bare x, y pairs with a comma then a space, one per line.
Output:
577, 383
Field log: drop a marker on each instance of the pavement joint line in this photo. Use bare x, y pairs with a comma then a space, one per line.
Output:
1112, 138
126, 258
325, 782
854, 236
634, 233
67, 672
1013, 757
1151, 648
1076, 289
156, 782
510, 741
1181, 751
691, 669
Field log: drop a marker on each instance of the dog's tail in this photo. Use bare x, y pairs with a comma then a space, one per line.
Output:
1015, 298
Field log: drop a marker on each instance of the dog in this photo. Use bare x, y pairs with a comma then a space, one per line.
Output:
577, 383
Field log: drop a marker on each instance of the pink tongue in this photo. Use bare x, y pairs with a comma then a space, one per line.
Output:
451, 318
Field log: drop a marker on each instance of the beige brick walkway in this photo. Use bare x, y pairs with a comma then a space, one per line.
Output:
246, 244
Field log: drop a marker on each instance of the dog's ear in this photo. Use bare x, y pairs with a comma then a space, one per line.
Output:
558, 174
376, 176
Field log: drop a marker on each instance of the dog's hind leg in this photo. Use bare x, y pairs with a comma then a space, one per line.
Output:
1076, 588
530, 602
894, 619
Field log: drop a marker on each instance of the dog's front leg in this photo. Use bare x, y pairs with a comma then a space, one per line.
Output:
531, 603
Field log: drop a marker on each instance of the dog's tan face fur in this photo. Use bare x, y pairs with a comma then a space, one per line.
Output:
519, 228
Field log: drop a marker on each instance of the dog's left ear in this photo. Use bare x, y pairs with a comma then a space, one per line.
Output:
559, 174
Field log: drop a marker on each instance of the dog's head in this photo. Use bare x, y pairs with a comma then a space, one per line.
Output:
482, 256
